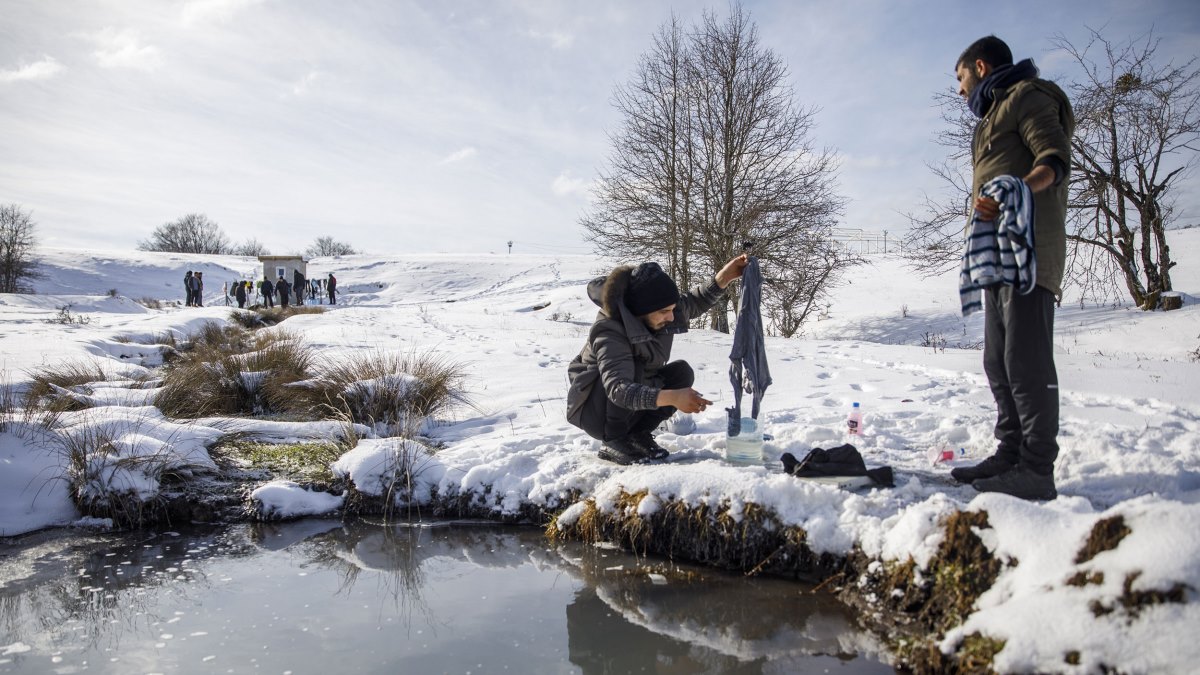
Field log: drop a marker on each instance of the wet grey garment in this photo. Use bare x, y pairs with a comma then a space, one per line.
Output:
748, 369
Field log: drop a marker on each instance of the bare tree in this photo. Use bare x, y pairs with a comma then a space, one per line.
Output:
251, 247
193, 233
17, 242
935, 238
1138, 123
714, 152
326, 246
1136, 133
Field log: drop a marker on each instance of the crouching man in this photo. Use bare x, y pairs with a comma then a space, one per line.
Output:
623, 384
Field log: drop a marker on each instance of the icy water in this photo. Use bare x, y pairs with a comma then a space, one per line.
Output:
327, 597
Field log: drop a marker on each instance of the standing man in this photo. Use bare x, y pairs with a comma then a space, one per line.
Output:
331, 287
239, 292
298, 286
622, 386
268, 292
284, 290
198, 284
187, 289
1025, 132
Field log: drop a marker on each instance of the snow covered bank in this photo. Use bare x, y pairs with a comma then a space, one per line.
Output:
1130, 431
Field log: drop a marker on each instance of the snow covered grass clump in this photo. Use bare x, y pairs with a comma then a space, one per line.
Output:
391, 393
390, 473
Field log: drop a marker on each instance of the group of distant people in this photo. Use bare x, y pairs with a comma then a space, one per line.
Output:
268, 291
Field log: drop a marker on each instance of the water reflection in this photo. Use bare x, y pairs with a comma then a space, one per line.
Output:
371, 597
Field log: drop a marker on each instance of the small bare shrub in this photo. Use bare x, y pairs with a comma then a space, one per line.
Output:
112, 293
904, 311
150, 303
66, 318
560, 316
935, 341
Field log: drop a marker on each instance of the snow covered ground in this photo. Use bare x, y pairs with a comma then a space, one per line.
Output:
1130, 433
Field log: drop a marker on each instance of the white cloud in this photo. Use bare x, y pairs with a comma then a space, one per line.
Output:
566, 185
459, 155
304, 84
38, 70
558, 39
198, 11
124, 49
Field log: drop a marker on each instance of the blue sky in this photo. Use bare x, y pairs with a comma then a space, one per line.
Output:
408, 126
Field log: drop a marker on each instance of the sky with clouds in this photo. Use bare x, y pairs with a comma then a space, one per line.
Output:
424, 126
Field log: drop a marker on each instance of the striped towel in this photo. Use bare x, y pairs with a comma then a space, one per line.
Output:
999, 251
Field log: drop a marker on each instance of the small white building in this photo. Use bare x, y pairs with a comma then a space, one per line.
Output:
275, 266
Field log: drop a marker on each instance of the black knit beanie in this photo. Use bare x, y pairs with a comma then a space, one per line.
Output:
650, 289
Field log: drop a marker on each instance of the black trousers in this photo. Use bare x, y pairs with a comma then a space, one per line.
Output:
605, 420
1018, 357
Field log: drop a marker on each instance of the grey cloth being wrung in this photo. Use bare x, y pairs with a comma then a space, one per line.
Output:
748, 369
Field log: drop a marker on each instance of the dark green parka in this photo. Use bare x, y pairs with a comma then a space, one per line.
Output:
1027, 123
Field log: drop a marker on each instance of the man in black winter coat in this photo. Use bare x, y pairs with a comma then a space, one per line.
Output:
239, 292
268, 292
298, 286
331, 286
622, 385
284, 290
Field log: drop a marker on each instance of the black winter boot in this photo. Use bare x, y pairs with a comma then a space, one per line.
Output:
988, 468
644, 441
623, 451
1021, 482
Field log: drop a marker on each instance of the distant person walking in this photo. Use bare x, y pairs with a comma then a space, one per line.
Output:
188, 293
284, 290
1023, 140
331, 288
268, 292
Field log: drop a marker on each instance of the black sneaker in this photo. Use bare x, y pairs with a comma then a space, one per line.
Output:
1021, 482
622, 451
644, 441
988, 468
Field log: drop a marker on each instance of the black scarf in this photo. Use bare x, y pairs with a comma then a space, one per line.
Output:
981, 98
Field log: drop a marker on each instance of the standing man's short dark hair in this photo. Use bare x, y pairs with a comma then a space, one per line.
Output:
991, 50
1022, 140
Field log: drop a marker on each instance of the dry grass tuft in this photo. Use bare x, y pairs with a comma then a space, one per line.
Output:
252, 319
753, 541
389, 392
232, 372
1106, 534
52, 386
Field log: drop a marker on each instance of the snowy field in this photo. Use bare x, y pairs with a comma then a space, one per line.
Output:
1130, 421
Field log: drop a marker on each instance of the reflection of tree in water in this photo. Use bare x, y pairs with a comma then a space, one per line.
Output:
98, 590
88, 592
400, 555
700, 621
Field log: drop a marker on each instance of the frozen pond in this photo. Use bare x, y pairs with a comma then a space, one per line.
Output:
323, 597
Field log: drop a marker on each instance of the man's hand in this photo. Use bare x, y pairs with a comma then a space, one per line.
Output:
732, 270
986, 208
1037, 180
684, 400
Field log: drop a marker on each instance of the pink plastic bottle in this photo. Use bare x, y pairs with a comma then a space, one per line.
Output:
854, 421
